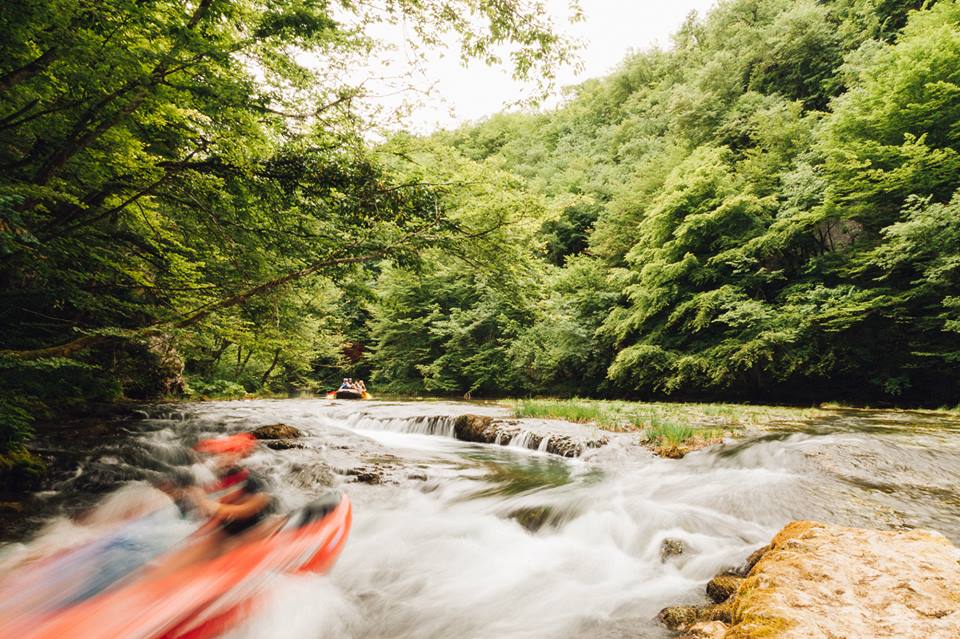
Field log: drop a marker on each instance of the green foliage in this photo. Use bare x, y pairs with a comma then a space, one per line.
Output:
179, 191
767, 212
569, 234
18, 466
704, 420
567, 411
217, 389
667, 433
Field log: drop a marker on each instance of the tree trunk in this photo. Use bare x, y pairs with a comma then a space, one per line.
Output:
246, 359
273, 364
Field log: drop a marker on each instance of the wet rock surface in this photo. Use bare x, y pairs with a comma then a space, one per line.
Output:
706, 630
276, 431
685, 617
817, 580
484, 429
671, 547
723, 586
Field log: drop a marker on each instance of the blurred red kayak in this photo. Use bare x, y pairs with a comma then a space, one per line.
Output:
203, 600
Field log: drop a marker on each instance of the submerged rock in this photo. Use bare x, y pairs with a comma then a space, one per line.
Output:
366, 475
311, 476
533, 518
671, 547
283, 444
816, 580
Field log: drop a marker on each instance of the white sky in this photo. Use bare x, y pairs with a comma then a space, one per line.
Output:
609, 31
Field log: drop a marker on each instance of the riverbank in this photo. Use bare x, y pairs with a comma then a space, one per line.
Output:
668, 429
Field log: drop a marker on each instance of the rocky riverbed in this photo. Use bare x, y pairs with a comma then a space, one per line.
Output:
470, 523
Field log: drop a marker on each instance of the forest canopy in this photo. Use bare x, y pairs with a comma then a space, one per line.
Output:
189, 183
767, 209
764, 211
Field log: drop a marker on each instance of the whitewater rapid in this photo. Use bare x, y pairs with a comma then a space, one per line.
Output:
464, 541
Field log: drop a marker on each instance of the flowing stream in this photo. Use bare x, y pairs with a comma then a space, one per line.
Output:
459, 540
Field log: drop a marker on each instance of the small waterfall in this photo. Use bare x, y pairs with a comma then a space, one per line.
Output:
543, 444
526, 439
437, 425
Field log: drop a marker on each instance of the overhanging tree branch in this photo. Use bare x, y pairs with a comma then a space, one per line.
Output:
193, 317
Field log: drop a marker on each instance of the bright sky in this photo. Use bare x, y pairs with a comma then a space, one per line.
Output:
609, 31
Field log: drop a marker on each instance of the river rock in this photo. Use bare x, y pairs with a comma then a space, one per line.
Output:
366, 474
311, 476
473, 428
817, 580
706, 630
532, 518
276, 431
752, 560
671, 547
723, 586
283, 444
685, 617
484, 429
567, 446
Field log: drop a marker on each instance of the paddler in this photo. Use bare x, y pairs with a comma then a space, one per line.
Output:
244, 501
237, 504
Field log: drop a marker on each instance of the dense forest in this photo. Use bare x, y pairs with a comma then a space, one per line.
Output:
765, 210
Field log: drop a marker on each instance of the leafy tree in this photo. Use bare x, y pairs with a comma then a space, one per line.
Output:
174, 173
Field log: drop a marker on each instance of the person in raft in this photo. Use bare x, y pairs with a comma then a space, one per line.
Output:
237, 504
241, 500
346, 385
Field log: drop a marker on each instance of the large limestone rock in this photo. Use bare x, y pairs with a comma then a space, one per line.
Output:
817, 581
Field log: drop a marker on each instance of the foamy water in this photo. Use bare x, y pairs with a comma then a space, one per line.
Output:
474, 541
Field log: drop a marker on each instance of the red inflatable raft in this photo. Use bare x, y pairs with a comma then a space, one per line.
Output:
206, 599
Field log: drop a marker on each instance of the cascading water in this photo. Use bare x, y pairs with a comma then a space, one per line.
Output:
474, 541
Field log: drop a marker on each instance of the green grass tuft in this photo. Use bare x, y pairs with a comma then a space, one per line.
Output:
668, 433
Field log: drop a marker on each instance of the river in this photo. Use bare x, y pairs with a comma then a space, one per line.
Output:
460, 540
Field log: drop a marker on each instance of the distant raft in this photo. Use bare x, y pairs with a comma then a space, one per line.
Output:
347, 393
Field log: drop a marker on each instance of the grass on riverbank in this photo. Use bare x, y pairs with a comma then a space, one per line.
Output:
669, 428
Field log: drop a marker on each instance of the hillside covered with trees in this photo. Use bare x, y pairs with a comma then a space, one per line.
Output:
765, 210
768, 210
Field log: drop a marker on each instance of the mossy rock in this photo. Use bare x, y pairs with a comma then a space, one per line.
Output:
671, 547
723, 586
683, 617
532, 518
672, 451
20, 469
283, 444
679, 617
277, 431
